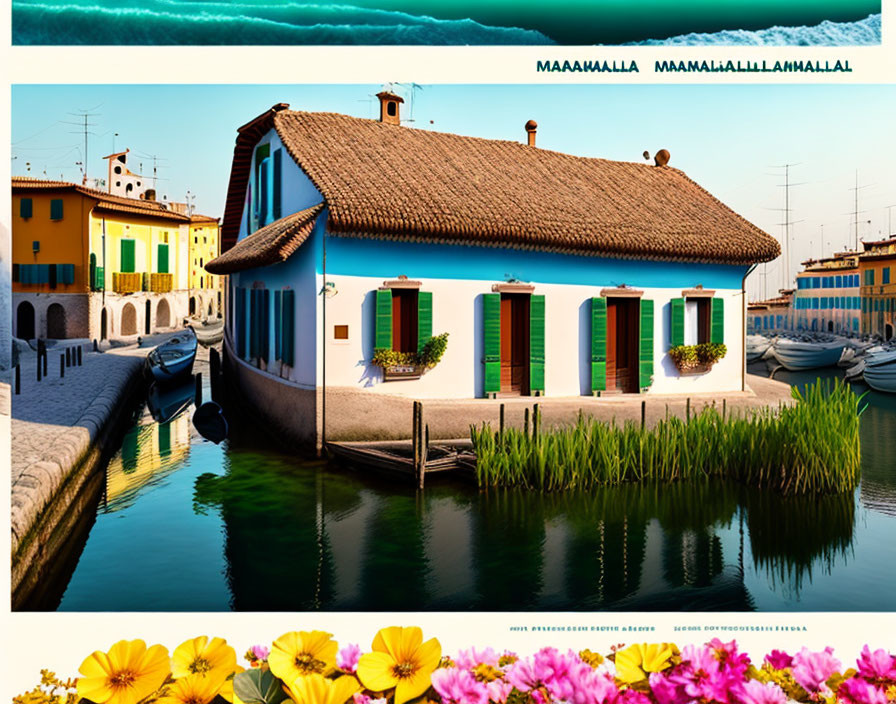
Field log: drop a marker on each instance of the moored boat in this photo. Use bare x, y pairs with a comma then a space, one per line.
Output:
797, 355
173, 359
880, 372
757, 346
167, 402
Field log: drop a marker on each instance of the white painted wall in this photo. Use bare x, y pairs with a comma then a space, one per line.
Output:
457, 309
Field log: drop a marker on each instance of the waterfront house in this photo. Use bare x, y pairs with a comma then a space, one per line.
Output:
351, 243
828, 296
772, 314
90, 264
876, 264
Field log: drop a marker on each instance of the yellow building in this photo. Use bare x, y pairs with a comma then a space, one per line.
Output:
206, 289
94, 265
877, 271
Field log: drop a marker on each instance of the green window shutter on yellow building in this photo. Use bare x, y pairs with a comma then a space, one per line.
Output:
383, 335
717, 329
491, 348
127, 256
598, 344
645, 355
163, 258
676, 325
536, 344
424, 318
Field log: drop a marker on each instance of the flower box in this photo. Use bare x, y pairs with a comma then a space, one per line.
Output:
693, 368
403, 372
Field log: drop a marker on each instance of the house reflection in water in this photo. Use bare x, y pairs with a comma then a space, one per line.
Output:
336, 542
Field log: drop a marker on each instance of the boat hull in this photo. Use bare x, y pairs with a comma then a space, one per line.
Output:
880, 373
800, 357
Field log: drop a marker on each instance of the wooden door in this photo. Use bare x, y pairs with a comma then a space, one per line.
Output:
623, 324
514, 344
611, 343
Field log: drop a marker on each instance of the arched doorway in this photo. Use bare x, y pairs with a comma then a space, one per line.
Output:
128, 319
104, 333
814, 324
209, 310
192, 305
830, 326
888, 331
163, 314
56, 322
25, 321
147, 327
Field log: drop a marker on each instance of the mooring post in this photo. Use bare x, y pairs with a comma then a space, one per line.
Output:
45, 358
96, 347
68, 356
688, 409
198, 389
526, 422
501, 421
424, 454
80, 361
416, 441
18, 379
214, 363
61, 366
38, 367
643, 414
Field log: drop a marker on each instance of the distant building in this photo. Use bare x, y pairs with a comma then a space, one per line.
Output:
94, 265
121, 181
772, 314
347, 239
828, 297
876, 265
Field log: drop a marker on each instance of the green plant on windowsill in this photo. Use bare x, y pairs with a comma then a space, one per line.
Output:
697, 357
429, 355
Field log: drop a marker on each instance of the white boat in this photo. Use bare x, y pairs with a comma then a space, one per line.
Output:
880, 372
757, 345
797, 355
173, 360
856, 371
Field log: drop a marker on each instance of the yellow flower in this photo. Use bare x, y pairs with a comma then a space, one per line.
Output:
212, 659
317, 689
227, 688
402, 660
302, 653
192, 689
126, 674
635, 662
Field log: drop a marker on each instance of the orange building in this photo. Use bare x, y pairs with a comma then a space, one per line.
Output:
877, 272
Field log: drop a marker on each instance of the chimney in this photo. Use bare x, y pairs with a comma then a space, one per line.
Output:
531, 127
390, 112
150, 194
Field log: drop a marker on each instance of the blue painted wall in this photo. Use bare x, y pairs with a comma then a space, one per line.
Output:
350, 256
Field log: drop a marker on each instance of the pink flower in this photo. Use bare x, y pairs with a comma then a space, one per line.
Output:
260, 652
812, 670
522, 675
756, 692
700, 675
664, 690
779, 660
347, 658
468, 659
729, 658
498, 690
457, 686
358, 698
858, 691
879, 665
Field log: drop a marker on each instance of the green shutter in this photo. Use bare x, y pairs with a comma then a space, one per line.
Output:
69, 277
676, 327
717, 331
100, 278
56, 209
491, 348
536, 344
26, 208
598, 344
163, 258
424, 318
92, 272
127, 256
278, 180
289, 326
645, 356
383, 335
278, 326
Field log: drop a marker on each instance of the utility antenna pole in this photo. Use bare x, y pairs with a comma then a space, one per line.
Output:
84, 123
856, 211
787, 224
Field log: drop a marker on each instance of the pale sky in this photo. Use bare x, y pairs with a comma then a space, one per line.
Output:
732, 139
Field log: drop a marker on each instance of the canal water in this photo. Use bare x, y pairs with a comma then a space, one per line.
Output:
184, 524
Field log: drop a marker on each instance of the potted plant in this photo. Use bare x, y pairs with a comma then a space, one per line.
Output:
411, 365
697, 359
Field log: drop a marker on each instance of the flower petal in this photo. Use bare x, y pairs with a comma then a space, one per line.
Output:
375, 670
412, 687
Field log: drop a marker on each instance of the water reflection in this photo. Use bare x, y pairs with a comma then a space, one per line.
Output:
261, 530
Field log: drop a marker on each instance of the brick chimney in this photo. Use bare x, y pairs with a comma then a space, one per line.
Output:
390, 112
531, 128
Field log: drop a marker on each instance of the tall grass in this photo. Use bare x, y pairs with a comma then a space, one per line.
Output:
810, 446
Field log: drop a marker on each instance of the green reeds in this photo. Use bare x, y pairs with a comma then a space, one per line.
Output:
811, 446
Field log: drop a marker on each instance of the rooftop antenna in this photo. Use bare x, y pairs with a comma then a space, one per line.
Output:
84, 123
856, 211
788, 223
414, 88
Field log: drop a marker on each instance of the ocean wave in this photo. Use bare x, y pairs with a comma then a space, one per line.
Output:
216, 23
865, 32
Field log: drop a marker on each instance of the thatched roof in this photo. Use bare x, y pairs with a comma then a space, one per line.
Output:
393, 182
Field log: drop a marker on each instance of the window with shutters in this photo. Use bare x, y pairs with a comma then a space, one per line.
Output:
404, 320
56, 209
403, 317
26, 208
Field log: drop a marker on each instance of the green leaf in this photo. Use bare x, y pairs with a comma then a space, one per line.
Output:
258, 686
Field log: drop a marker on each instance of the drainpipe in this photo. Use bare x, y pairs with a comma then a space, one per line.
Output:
323, 431
743, 337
